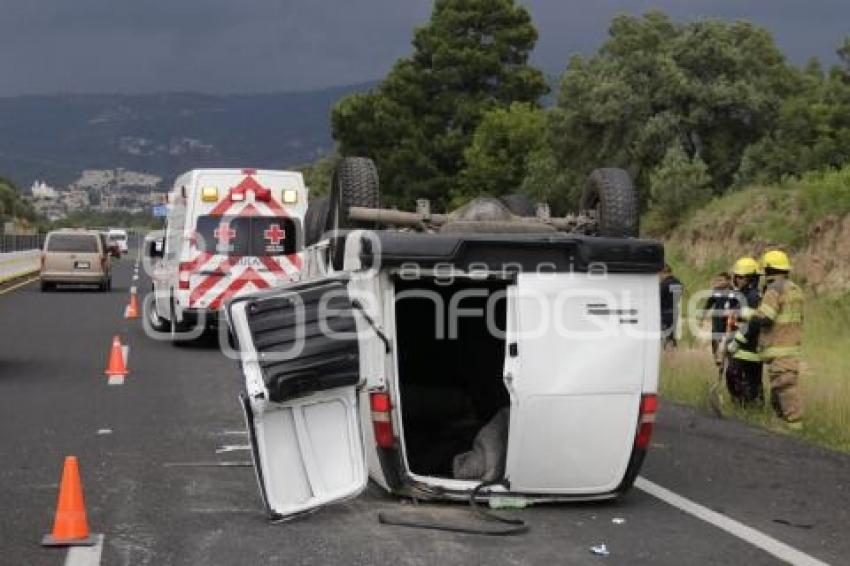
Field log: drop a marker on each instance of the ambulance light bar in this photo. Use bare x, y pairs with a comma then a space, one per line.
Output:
209, 194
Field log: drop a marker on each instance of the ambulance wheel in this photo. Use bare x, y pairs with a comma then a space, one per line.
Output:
176, 327
355, 183
611, 194
158, 324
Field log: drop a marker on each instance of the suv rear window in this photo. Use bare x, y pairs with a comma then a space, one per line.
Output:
247, 235
81, 243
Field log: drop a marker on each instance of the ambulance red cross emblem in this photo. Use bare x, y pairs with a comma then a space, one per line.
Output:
275, 236
224, 234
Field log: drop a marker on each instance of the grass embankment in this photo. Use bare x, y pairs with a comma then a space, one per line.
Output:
746, 222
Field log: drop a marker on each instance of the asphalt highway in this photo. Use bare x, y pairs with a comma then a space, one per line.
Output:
167, 476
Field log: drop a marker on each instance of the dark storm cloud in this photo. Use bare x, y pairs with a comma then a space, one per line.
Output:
273, 45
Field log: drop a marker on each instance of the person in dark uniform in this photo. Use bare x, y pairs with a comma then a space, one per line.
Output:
671, 290
718, 307
744, 370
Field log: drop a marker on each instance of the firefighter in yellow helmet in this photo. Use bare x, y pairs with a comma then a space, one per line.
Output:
778, 321
744, 368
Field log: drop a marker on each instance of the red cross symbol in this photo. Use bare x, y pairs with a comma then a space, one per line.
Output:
224, 233
274, 234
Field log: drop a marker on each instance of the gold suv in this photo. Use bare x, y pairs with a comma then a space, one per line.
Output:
76, 257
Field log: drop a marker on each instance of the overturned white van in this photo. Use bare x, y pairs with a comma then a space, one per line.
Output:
435, 362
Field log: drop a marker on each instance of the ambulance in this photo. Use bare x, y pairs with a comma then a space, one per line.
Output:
228, 232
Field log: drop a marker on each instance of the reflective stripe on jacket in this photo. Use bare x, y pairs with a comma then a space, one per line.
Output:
780, 319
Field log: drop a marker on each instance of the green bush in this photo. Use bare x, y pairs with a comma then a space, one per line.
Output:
679, 185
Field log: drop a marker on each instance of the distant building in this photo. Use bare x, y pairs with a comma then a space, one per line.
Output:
41, 190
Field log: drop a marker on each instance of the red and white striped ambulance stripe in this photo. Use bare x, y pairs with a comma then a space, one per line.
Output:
224, 276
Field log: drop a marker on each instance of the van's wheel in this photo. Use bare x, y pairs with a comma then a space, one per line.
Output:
355, 183
519, 204
316, 220
611, 194
45, 286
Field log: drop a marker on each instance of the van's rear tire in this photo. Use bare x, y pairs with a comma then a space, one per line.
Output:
611, 194
46, 286
355, 183
316, 220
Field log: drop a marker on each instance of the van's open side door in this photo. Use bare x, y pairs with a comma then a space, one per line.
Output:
300, 359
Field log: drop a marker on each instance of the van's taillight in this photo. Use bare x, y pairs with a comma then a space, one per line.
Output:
646, 420
382, 422
183, 273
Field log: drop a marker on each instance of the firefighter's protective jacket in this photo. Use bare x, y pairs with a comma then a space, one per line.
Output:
778, 321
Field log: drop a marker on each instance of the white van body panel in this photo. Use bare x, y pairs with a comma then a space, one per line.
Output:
307, 451
577, 380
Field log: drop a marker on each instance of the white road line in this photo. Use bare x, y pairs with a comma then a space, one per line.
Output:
232, 448
125, 349
748, 534
85, 555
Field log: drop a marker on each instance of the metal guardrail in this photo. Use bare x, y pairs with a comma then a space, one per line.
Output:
19, 264
19, 243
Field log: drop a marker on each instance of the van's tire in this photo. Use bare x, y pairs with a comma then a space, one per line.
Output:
611, 193
519, 204
316, 220
46, 286
355, 183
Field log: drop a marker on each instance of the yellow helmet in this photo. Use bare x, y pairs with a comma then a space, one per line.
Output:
746, 266
776, 259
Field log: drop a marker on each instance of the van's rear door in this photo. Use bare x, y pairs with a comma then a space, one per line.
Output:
300, 359
575, 370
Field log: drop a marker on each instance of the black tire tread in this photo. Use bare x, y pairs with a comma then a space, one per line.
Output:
610, 190
355, 184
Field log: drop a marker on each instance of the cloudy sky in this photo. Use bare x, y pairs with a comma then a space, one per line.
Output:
133, 46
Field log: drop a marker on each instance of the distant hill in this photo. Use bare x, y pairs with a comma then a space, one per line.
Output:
56, 137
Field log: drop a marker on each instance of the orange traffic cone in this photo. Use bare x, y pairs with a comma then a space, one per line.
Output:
133, 308
116, 364
70, 527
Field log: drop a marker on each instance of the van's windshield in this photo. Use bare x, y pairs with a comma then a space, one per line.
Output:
246, 235
80, 243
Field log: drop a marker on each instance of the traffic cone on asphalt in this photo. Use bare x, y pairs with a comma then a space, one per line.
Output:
70, 526
133, 308
116, 366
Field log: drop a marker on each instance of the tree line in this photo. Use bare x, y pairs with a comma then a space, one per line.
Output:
691, 110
